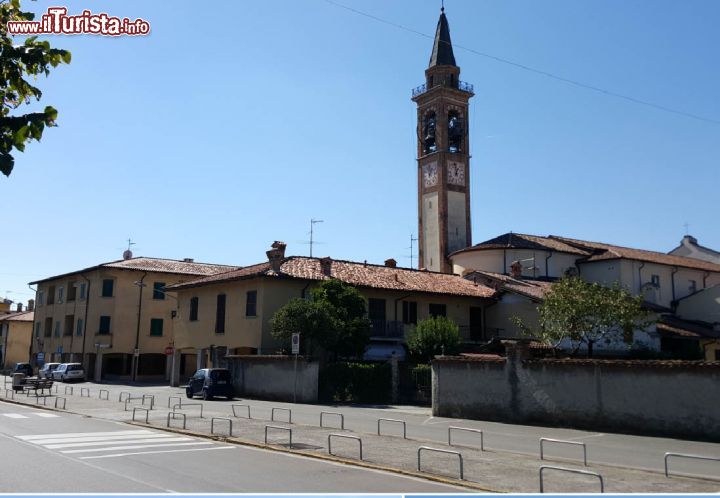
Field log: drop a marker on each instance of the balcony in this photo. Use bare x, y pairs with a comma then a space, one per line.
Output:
461, 85
384, 329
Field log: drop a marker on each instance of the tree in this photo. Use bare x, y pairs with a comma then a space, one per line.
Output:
432, 337
17, 62
588, 313
334, 320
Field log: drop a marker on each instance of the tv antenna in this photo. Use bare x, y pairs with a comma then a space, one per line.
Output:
687, 228
412, 241
313, 221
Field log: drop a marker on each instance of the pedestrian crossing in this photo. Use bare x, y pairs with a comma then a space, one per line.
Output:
87, 445
29, 415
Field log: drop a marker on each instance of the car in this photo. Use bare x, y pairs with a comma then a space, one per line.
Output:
69, 371
25, 368
210, 382
47, 369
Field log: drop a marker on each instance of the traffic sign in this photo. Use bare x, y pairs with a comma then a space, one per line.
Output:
169, 351
41, 357
136, 353
296, 343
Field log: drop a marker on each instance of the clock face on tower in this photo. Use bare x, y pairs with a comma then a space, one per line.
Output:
430, 175
456, 173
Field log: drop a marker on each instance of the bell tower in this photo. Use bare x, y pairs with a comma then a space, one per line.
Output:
443, 156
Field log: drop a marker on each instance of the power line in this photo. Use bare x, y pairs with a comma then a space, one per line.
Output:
531, 69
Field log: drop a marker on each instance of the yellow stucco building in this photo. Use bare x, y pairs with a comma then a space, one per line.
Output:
15, 338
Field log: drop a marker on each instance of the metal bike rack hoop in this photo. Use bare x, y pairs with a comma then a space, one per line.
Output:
694, 457
560, 441
173, 414
342, 419
573, 471
288, 410
147, 412
277, 427
394, 421
239, 405
212, 424
345, 436
465, 429
447, 452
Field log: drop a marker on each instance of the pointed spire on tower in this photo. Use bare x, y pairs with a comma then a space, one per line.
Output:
442, 53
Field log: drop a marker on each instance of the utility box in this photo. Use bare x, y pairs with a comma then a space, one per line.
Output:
18, 381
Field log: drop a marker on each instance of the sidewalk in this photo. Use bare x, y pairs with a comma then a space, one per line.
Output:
491, 469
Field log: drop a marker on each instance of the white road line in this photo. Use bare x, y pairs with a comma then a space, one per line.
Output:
81, 434
130, 441
154, 452
47, 415
136, 447
14, 415
88, 439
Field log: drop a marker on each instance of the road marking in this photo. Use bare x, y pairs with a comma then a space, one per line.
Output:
73, 434
136, 447
129, 441
47, 415
154, 452
99, 438
15, 415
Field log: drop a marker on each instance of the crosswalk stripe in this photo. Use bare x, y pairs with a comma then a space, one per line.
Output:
129, 441
15, 415
81, 434
115, 455
89, 439
136, 447
47, 415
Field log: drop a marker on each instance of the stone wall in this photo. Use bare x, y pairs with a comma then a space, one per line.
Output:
668, 398
273, 377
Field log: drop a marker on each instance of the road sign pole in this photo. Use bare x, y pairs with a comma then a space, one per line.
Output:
295, 352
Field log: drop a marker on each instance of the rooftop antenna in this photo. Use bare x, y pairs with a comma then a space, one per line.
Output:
312, 230
412, 241
687, 228
128, 253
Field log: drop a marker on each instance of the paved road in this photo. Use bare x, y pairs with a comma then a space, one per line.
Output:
46, 452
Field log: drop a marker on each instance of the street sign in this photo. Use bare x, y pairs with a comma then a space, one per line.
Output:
41, 357
169, 351
59, 349
136, 353
296, 343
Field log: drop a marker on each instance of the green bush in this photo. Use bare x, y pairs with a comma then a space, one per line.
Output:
432, 337
356, 382
422, 376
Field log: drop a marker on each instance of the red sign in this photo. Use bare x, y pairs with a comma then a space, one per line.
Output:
169, 350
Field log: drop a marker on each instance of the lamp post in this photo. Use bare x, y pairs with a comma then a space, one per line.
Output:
136, 351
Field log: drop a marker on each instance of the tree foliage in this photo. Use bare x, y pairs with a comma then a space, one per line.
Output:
432, 337
18, 63
588, 313
334, 321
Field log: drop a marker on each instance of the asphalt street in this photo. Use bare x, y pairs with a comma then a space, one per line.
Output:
54, 452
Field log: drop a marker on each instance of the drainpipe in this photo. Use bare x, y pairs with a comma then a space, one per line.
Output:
705, 276
547, 270
672, 282
85, 324
640, 278
136, 359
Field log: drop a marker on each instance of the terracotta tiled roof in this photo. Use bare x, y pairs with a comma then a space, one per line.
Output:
524, 241
23, 316
625, 363
672, 325
158, 265
534, 289
608, 251
355, 273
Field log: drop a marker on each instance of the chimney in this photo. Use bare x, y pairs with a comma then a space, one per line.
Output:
391, 263
31, 305
516, 269
188, 260
127, 254
326, 266
276, 255
19, 307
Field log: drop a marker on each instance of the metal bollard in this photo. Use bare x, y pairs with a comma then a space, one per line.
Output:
239, 405
437, 450
572, 471
394, 421
342, 419
212, 424
173, 417
477, 431
346, 437
280, 429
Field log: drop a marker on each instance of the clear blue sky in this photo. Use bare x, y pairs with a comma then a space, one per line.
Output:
234, 123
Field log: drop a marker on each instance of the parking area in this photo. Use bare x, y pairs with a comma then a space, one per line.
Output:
380, 438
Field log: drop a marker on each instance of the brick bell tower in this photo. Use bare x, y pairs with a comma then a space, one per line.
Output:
443, 156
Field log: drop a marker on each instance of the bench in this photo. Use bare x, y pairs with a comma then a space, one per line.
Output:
38, 385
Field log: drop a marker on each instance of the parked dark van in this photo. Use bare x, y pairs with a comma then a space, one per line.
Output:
210, 382
25, 368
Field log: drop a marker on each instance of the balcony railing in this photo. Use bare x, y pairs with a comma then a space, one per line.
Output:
461, 85
387, 329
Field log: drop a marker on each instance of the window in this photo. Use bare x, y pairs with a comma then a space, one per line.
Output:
69, 322
57, 328
436, 310
61, 295
48, 327
409, 312
51, 295
655, 280
428, 133
72, 291
107, 287
376, 309
37, 329
104, 325
455, 131
83, 291
79, 327
251, 303
220, 314
692, 287
717, 355
41, 298
156, 326
159, 290
194, 301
